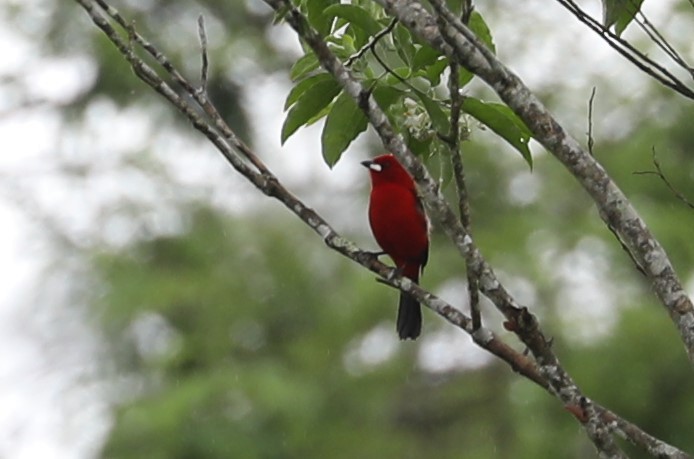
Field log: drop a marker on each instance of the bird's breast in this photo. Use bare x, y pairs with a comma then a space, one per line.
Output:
398, 223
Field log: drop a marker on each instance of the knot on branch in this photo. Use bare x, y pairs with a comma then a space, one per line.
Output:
524, 324
270, 185
579, 410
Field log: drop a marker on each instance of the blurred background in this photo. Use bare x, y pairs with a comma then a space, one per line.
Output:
155, 305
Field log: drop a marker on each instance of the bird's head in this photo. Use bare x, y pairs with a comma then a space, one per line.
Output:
387, 169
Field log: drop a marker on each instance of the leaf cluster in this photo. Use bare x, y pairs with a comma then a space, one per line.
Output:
406, 77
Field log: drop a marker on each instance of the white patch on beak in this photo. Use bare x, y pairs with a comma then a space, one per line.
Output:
375, 167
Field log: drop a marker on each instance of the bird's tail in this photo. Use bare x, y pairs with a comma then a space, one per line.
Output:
409, 323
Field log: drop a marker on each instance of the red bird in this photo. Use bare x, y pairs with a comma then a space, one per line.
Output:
400, 226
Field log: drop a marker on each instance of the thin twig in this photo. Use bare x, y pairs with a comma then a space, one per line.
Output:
660, 41
203, 51
199, 96
454, 143
137, 38
459, 172
591, 141
371, 44
468, 8
659, 173
389, 70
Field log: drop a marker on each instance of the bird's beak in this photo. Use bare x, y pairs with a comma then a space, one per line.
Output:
372, 166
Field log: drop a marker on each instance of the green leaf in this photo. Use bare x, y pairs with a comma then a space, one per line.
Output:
343, 124
386, 96
305, 65
433, 72
348, 41
355, 15
317, 17
358, 36
310, 103
424, 57
619, 13
481, 29
301, 87
506, 110
501, 119
403, 41
421, 148
434, 64
464, 77
403, 72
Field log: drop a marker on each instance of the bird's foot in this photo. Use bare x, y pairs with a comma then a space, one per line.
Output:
396, 272
370, 256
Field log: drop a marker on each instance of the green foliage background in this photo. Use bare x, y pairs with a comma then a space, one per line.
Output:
239, 335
